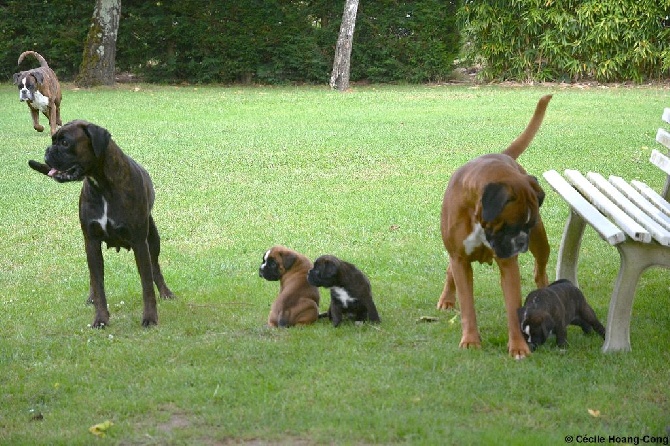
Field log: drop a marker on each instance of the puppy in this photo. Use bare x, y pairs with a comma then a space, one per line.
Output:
551, 309
298, 301
350, 291
40, 89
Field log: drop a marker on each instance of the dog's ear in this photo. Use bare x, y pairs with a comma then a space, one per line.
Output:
39, 77
537, 188
99, 138
494, 199
17, 78
288, 259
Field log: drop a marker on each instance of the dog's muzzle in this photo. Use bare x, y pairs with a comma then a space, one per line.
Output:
25, 95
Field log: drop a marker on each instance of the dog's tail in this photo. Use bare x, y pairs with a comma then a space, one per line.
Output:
38, 56
523, 140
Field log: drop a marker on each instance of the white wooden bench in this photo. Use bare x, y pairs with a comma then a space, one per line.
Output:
630, 216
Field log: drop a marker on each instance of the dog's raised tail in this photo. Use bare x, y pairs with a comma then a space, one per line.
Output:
523, 140
38, 56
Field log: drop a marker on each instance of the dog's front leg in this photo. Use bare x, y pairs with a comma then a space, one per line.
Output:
96, 269
53, 118
36, 119
461, 271
510, 280
143, 261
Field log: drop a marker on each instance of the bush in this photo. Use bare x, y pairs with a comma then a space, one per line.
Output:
568, 40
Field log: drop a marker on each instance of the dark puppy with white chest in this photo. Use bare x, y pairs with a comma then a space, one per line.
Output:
350, 290
40, 89
114, 207
550, 310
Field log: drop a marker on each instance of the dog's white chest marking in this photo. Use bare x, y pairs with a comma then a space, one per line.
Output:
40, 102
104, 220
476, 239
342, 295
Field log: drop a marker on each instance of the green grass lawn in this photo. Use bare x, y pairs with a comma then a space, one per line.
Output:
359, 175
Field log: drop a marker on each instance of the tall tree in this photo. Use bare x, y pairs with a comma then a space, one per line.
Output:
339, 78
99, 58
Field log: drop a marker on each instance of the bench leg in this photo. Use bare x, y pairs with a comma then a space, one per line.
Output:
568, 253
635, 258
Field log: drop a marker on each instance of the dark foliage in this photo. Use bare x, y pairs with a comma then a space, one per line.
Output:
260, 41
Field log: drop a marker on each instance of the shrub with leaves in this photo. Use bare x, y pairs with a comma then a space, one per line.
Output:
568, 40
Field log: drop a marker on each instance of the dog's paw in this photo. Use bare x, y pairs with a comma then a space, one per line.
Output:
519, 351
445, 304
40, 167
470, 341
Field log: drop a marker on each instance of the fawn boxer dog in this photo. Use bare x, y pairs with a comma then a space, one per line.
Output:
490, 211
40, 89
551, 309
350, 290
114, 207
297, 302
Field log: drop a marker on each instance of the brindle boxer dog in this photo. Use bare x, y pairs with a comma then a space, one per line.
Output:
40, 89
297, 302
114, 207
490, 212
350, 290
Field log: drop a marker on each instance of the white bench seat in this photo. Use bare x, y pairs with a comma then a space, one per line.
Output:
628, 215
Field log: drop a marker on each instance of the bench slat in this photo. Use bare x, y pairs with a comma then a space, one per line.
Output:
605, 228
605, 205
653, 196
658, 232
640, 201
666, 115
659, 160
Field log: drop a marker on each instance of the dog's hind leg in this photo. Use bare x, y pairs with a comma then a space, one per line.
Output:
448, 296
539, 248
588, 316
143, 261
154, 250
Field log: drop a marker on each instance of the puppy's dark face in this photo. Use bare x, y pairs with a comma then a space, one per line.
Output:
76, 150
324, 272
275, 263
508, 214
28, 84
536, 326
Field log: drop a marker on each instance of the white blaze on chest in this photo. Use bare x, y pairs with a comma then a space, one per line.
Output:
40, 102
476, 239
342, 295
104, 218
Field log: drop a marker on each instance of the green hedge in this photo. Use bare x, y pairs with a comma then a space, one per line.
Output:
568, 40
263, 41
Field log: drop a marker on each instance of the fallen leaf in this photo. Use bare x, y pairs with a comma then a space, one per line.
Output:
427, 319
101, 428
594, 413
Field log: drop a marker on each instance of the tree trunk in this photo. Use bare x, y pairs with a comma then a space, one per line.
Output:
339, 78
98, 64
